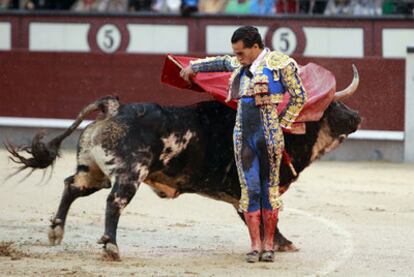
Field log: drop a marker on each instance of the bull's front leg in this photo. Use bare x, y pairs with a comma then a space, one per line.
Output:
118, 199
71, 192
282, 244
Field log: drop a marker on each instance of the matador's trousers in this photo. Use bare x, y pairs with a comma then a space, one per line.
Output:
258, 144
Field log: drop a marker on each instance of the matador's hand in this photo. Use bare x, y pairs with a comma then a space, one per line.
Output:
186, 73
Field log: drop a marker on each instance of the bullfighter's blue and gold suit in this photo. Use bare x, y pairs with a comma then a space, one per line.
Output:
258, 137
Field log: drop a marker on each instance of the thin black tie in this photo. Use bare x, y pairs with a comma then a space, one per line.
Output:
248, 72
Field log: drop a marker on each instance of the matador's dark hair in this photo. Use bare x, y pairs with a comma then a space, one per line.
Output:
249, 35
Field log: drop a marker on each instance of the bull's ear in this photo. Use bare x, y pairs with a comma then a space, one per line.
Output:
350, 90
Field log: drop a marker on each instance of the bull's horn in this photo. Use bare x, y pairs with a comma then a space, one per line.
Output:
350, 89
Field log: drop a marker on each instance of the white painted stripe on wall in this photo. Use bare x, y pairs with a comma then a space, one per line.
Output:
5, 36
65, 37
218, 38
149, 38
395, 42
65, 123
334, 42
39, 122
377, 135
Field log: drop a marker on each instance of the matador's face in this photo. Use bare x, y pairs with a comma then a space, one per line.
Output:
245, 55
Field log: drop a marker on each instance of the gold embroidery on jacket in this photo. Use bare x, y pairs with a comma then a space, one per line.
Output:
276, 77
298, 96
270, 99
261, 84
237, 140
235, 62
276, 60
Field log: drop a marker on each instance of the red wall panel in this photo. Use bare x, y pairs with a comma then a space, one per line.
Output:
58, 85
380, 96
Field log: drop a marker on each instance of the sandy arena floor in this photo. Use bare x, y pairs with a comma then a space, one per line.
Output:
348, 219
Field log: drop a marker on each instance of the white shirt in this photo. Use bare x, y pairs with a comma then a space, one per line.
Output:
245, 81
258, 60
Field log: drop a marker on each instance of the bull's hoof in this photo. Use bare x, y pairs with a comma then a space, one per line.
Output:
55, 235
290, 247
111, 252
104, 240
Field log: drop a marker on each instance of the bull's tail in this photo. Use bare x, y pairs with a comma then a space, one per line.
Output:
42, 155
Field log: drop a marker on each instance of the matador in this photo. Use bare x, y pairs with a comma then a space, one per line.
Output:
260, 78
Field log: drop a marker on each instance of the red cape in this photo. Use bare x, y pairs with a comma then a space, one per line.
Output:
320, 85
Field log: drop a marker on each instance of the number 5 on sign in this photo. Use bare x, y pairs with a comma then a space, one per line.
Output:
284, 40
108, 38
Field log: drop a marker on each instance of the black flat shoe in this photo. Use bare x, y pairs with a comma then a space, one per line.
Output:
253, 257
268, 256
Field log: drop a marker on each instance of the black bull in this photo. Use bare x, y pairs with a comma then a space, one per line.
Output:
174, 150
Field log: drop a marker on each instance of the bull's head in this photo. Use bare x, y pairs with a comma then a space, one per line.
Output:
338, 121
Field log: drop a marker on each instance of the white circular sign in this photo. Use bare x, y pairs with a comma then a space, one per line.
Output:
284, 40
108, 38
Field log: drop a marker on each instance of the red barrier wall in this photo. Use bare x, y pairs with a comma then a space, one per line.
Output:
58, 85
37, 82
380, 96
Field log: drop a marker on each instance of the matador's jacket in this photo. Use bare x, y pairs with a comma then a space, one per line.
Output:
258, 137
